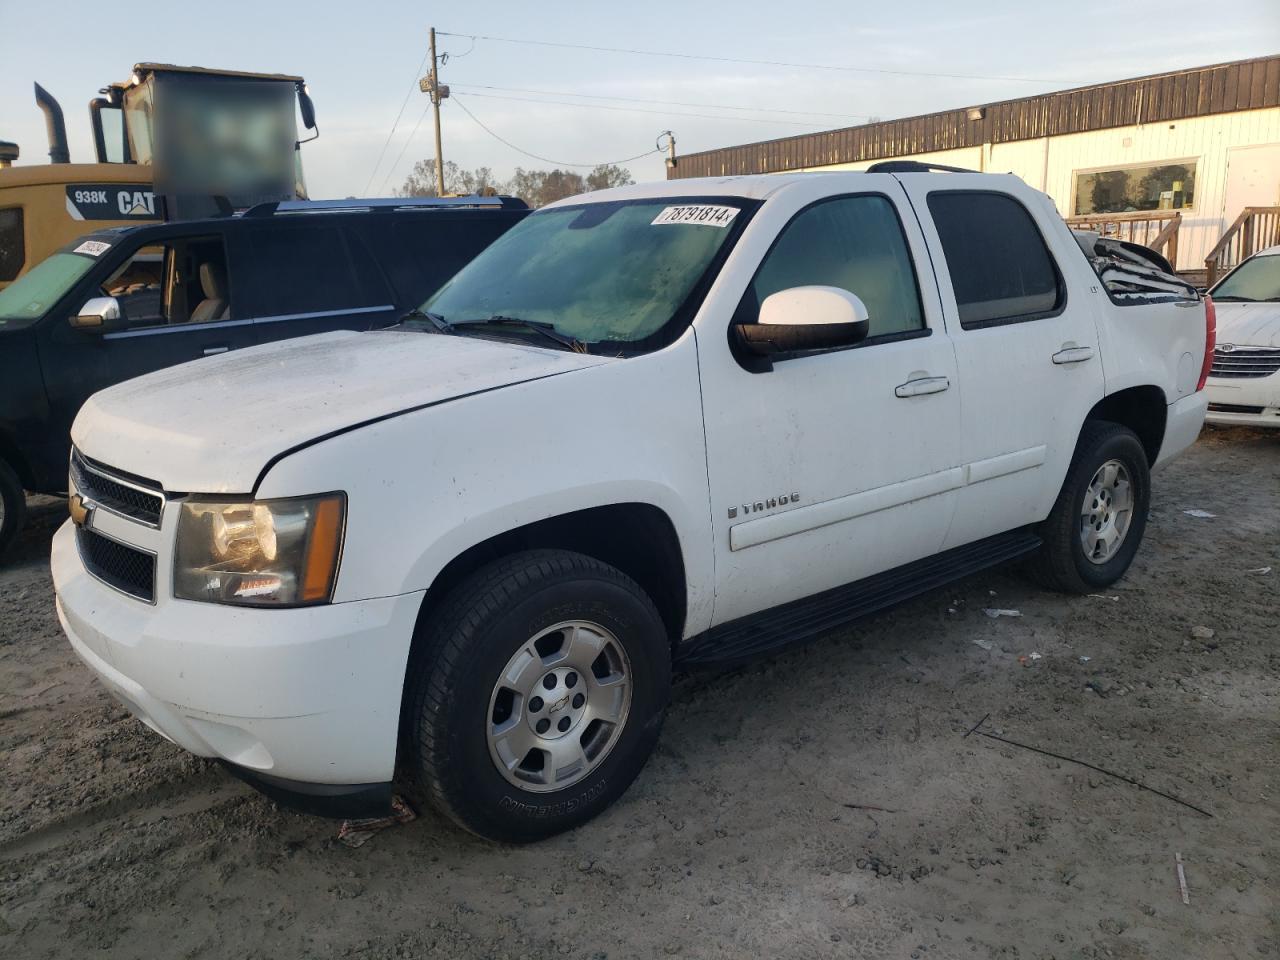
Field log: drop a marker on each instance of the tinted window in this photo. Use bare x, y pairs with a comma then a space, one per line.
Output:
1000, 268
419, 252
304, 270
13, 249
856, 244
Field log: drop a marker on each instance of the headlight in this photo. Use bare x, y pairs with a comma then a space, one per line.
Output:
260, 552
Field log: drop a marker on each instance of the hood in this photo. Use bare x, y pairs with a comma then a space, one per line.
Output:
1248, 324
212, 425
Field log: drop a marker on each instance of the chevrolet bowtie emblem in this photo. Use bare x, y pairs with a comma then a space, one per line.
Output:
81, 510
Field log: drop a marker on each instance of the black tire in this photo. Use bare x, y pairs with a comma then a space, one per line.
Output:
1061, 563
457, 659
14, 502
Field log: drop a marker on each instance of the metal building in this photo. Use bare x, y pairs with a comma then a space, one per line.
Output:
1187, 161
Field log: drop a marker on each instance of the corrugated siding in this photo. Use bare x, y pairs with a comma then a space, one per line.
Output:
1224, 88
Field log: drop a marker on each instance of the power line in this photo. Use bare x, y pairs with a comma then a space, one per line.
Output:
661, 113
381, 153
674, 103
559, 163
412, 133
757, 63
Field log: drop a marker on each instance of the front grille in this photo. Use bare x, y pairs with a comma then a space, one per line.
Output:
1233, 408
1241, 362
131, 497
126, 568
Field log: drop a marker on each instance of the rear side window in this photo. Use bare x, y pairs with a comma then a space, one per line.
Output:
420, 251
304, 270
1000, 268
13, 247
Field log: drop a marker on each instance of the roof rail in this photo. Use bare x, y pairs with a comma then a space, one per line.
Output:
353, 204
914, 166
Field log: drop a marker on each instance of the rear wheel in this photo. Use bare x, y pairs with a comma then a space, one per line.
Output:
1097, 522
13, 505
536, 694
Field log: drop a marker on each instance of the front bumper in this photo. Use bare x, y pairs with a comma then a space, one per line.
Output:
1244, 401
309, 695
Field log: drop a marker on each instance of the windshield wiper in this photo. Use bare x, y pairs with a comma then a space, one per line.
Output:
547, 330
1228, 298
440, 323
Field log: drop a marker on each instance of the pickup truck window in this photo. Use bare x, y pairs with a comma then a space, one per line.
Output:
1000, 268
26, 301
614, 272
854, 243
13, 247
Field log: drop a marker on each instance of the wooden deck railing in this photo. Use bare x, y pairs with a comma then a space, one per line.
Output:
1154, 229
1255, 229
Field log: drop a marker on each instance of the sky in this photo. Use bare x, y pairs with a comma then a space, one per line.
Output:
577, 106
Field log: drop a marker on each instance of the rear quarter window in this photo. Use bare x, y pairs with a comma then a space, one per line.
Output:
1000, 268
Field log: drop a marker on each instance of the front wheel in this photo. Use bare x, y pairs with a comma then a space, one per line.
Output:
536, 694
1097, 522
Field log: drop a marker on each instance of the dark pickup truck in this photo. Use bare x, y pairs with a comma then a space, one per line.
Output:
122, 302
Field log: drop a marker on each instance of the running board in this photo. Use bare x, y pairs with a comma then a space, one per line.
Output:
813, 616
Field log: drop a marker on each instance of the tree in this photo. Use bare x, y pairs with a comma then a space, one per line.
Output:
536, 187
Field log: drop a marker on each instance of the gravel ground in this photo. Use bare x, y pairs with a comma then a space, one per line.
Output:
822, 803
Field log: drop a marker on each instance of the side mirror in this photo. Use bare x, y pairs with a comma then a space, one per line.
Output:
99, 315
806, 318
306, 108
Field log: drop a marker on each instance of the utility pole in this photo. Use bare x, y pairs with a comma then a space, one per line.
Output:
430, 84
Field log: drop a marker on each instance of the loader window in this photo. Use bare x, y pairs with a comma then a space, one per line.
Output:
1000, 268
180, 281
13, 246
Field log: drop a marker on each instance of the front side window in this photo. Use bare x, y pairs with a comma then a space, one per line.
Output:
854, 243
13, 244
1160, 186
1257, 279
609, 273
179, 281
1000, 268
25, 301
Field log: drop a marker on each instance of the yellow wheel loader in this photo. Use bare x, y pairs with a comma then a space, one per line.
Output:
170, 142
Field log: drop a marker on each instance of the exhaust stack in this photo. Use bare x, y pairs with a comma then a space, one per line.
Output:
54, 124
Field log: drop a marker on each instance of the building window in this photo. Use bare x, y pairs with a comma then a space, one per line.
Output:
13, 249
1160, 186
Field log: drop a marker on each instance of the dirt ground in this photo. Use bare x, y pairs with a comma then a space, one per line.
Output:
822, 803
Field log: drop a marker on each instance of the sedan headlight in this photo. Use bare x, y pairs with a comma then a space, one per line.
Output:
260, 552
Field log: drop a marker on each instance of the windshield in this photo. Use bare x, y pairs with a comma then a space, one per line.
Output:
1256, 279
27, 300
612, 272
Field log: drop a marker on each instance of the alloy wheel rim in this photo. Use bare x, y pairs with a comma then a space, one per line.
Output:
1107, 512
559, 706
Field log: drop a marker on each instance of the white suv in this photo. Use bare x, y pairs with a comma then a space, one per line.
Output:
676, 422
1244, 382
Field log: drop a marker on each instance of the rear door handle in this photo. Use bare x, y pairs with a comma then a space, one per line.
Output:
919, 387
220, 348
1073, 355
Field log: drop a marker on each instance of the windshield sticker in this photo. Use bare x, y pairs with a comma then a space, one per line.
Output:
699, 214
94, 248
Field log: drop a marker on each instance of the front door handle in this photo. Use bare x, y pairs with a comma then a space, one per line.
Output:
920, 386
1073, 355
220, 348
